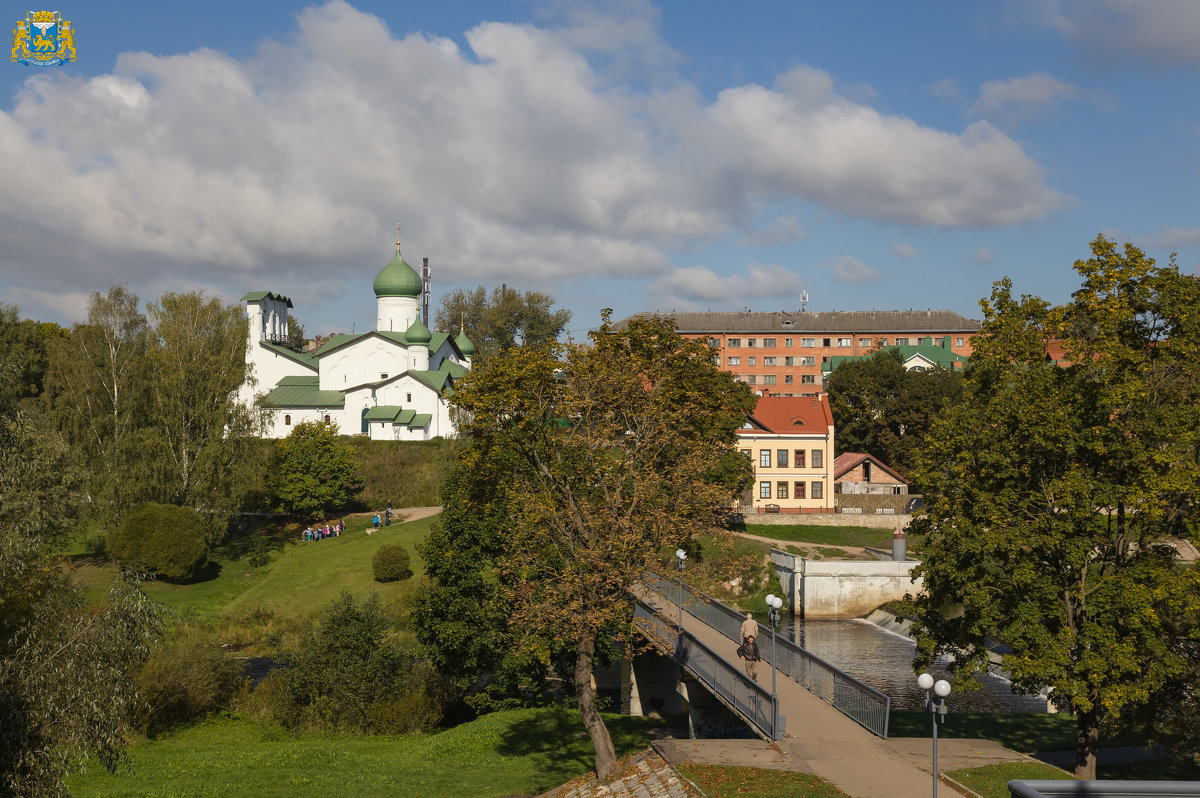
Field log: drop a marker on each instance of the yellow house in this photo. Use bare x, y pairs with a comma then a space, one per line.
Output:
790, 442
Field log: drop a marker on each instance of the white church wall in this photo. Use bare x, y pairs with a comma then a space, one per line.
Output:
395, 313
361, 362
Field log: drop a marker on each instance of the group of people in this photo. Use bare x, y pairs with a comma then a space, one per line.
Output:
329, 530
748, 650
386, 520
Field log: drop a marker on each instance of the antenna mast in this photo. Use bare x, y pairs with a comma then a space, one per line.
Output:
425, 291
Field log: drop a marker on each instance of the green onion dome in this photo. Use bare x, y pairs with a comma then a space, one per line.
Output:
398, 279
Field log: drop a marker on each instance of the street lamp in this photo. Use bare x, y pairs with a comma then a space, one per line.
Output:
936, 707
773, 604
682, 555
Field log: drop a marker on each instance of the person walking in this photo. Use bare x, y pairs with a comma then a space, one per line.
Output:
749, 627
748, 652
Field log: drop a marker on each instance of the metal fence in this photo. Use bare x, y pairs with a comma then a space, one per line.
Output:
744, 695
860, 702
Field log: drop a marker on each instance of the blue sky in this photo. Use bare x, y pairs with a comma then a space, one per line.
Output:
670, 156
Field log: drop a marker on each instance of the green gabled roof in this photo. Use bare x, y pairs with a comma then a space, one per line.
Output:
436, 379
311, 380
392, 413
290, 392
396, 337
418, 420
336, 340
456, 370
937, 355
258, 296
303, 358
436, 340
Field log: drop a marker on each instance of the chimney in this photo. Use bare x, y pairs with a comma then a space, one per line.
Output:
899, 545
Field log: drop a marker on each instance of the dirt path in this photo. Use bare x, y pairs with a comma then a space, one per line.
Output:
855, 552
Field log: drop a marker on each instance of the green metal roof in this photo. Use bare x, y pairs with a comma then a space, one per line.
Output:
398, 279
395, 414
418, 333
290, 392
436, 340
940, 356
336, 340
303, 358
311, 380
419, 420
464, 343
258, 296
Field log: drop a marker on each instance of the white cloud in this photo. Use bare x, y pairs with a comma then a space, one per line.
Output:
947, 89
851, 270
780, 230
983, 256
1162, 32
906, 251
1018, 100
689, 286
1177, 237
518, 159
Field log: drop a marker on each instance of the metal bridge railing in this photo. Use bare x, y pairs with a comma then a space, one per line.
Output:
744, 695
860, 702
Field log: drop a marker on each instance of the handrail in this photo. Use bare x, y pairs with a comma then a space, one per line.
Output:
858, 701
745, 696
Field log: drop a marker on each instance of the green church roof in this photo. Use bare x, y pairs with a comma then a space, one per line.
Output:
303, 392
418, 333
398, 279
464, 343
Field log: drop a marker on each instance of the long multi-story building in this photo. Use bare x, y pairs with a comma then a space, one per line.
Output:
782, 351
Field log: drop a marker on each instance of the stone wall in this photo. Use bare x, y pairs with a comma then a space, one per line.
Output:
834, 519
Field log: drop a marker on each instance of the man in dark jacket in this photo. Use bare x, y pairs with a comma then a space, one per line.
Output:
748, 652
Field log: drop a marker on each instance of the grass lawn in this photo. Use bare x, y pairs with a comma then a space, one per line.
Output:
824, 535
991, 781
521, 752
1026, 733
720, 781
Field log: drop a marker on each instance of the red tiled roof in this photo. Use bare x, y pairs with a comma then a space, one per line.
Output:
847, 461
791, 414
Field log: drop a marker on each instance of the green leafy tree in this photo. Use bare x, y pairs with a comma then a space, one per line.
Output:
313, 472
610, 452
168, 540
881, 409
25, 347
390, 563
503, 319
1051, 493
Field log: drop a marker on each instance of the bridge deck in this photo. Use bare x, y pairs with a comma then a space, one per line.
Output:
832, 745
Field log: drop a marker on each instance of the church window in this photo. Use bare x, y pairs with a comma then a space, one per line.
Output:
287, 421
326, 419
383, 376
408, 397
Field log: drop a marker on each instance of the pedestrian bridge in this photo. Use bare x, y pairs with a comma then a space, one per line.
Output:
806, 686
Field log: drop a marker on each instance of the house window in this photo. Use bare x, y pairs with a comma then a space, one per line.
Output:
764, 458
959, 342
808, 342
817, 490
808, 360
781, 490
768, 379
768, 361
799, 458
326, 419
752, 361
808, 379
752, 380
865, 342
787, 361
781, 458
788, 341
735, 342
800, 486
733, 361
287, 421
769, 343
817, 454
787, 379
764, 490
845, 342
901, 342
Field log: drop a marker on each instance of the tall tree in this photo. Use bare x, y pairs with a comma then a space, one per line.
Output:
880, 408
616, 450
1051, 493
25, 347
503, 319
312, 471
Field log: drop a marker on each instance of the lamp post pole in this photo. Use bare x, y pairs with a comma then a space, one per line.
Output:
681, 555
937, 707
773, 605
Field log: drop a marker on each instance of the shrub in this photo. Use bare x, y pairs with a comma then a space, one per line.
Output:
185, 680
390, 563
169, 540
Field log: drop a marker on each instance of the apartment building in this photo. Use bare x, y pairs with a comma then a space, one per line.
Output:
783, 351
789, 440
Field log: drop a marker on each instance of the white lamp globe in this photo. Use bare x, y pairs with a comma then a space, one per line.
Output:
924, 681
681, 554
775, 601
942, 688
770, 599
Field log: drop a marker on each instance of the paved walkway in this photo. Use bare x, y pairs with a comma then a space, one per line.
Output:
823, 741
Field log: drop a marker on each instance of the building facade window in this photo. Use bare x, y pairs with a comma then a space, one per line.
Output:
787, 379
781, 490
844, 342
817, 490
768, 361
714, 341
864, 342
768, 343
768, 379
781, 458
901, 342
734, 343
808, 360
733, 361
788, 341
753, 361
287, 421
817, 454
751, 342
408, 397
959, 342
752, 379
883, 342
764, 490
808, 379
799, 490
799, 458
808, 342
326, 419
787, 361
764, 458
746, 453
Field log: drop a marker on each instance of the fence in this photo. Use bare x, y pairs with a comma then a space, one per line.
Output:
860, 702
745, 696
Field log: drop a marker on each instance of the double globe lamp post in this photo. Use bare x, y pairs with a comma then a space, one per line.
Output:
681, 555
937, 707
773, 604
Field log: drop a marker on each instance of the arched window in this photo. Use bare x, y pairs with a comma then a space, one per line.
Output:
287, 421
326, 419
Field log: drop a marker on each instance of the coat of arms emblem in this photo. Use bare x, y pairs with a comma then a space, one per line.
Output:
43, 38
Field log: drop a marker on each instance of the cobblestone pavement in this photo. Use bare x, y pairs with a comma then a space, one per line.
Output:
643, 775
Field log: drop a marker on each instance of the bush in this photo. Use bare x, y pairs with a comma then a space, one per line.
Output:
390, 563
185, 680
169, 540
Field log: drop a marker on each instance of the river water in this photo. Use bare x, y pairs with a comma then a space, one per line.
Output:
883, 660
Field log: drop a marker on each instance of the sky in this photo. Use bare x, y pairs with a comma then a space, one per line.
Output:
682, 155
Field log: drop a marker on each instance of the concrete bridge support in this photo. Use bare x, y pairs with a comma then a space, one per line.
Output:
842, 588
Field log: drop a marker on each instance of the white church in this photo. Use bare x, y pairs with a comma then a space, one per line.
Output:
392, 383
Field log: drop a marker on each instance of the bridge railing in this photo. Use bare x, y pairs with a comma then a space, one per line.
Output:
746, 696
856, 700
